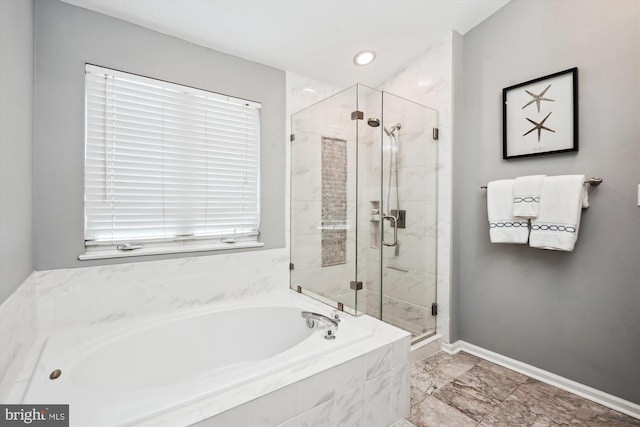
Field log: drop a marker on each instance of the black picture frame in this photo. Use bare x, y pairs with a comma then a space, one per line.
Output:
540, 116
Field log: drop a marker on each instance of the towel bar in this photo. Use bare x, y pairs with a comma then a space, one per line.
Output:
595, 181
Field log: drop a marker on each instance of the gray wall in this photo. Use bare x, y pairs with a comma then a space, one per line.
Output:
66, 38
16, 143
575, 314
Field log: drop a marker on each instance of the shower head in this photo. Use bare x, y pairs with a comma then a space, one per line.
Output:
392, 131
373, 122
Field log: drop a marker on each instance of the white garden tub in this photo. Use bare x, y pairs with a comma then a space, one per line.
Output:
131, 371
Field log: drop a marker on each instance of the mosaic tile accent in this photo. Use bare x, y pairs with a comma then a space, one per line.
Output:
334, 202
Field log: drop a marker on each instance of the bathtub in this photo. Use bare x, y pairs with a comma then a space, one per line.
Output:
142, 370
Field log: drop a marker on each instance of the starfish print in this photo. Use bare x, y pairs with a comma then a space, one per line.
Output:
539, 126
537, 98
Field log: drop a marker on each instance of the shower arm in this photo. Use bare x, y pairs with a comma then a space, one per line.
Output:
395, 230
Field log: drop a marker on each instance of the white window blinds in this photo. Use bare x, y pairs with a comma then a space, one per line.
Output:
165, 162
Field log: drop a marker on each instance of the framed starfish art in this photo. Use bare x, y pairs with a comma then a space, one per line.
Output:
541, 116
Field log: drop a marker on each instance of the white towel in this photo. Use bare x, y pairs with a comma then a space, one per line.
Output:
503, 227
526, 196
561, 201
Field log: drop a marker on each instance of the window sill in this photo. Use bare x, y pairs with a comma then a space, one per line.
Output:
162, 250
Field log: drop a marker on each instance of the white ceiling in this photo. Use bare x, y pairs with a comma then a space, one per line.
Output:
315, 38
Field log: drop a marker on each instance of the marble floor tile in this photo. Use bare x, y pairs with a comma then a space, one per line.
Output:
514, 412
452, 365
425, 381
432, 412
492, 380
592, 414
463, 390
436, 371
467, 399
542, 398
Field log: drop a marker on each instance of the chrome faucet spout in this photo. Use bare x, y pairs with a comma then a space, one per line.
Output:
331, 326
320, 318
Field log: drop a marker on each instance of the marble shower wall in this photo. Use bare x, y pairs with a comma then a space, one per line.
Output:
409, 291
302, 92
330, 118
429, 80
408, 270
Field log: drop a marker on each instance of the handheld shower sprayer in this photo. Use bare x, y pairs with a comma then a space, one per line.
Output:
393, 129
375, 122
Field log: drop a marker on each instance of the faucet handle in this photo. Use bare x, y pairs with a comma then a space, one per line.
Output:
329, 332
335, 315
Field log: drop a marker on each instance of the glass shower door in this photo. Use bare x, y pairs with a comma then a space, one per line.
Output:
363, 206
323, 201
409, 215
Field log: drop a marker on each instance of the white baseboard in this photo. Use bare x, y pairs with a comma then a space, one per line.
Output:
451, 348
605, 399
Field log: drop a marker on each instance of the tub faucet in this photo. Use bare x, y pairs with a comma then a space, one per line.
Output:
331, 326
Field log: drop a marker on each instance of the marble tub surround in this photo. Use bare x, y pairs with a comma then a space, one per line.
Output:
17, 332
465, 390
376, 364
58, 299
365, 385
14, 385
90, 295
365, 391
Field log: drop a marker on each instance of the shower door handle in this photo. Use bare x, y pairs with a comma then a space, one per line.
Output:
395, 230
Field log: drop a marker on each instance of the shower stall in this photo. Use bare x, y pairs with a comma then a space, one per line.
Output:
363, 206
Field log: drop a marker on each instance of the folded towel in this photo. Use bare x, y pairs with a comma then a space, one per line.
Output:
503, 227
561, 201
526, 196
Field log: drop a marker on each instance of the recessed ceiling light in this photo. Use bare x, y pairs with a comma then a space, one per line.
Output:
364, 58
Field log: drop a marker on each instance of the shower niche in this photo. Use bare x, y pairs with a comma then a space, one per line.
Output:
363, 206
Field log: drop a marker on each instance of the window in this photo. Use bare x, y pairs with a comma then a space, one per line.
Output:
168, 168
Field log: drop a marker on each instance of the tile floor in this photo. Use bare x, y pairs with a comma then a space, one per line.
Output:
463, 390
